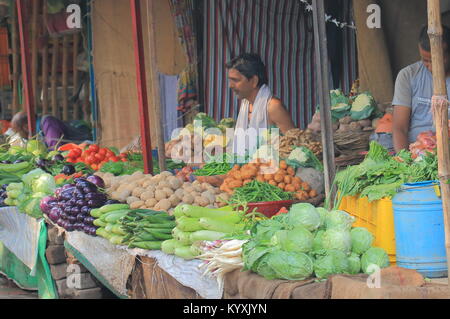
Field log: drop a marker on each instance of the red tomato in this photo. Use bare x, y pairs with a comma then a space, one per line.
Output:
102, 151
70, 160
94, 167
123, 155
124, 160
94, 148
79, 160
90, 159
99, 157
114, 159
110, 153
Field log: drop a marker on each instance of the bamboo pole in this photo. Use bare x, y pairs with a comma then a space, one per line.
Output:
440, 113
155, 88
65, 77
321, 53
34, 51
76, 42
45, 62
54, 76
16, 61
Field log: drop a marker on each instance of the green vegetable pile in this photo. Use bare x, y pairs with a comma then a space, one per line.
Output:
381, 175
139, 228
28, 194
304, 157
194, 224
310, 241
213, 168
256, 191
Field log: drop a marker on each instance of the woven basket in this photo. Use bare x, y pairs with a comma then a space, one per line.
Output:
352, 142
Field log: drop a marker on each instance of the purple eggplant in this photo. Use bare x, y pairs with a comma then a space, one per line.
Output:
72, 219
45, 204
86, 210
54, 214
89, 220
68, 170
80, 183
81, 203
75, 211
80, 217
96, 196
112, 201
58, 158
70, 227
96, 180
94, 203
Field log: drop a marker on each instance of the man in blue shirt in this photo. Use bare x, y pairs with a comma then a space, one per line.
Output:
413, 93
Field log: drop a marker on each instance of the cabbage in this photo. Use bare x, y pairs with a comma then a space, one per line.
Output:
287, 265
298, 239
45, 183
31, 176
265, 229
323, 213
362, 240
339, 219
354, 264
334, 262
317, 243
303, 214
374, 256
336, 239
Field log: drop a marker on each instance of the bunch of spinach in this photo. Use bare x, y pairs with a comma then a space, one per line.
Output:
381, 175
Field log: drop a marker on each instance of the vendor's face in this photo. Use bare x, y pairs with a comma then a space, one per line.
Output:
240, 85
426, 58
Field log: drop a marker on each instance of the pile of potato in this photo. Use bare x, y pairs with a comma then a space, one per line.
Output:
162, 192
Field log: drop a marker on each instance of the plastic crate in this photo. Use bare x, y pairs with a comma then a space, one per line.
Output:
377, 217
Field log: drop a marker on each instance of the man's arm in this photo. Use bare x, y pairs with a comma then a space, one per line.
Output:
279, 116
400, 129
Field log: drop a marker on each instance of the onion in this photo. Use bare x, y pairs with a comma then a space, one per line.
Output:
60, 222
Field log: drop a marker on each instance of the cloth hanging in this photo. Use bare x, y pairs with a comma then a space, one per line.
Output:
258, 121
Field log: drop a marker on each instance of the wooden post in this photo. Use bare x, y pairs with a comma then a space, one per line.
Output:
440, 113
65, 77
141, 82
34, 50
54, 76
26, 74
16, 60
45, 70
76, 42
321, 54
155, 88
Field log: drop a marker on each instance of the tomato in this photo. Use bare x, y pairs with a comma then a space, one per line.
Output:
94, 148
79, 160
70, 160
102, 151
94, 167
100, 165
123, 155
114, 159
99, 157
110, 153
124, 160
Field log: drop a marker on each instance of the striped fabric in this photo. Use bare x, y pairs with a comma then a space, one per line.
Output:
281, 32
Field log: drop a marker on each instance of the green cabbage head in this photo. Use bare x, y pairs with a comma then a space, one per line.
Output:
305, 215
374, 256
337, 239
354, 264
334, 262
298, 239
286, 265
339, 219
362, 240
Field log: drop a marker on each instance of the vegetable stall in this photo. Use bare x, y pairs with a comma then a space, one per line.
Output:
201, 228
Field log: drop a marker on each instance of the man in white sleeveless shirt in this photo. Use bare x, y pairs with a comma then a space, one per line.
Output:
259, 109
413, 93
